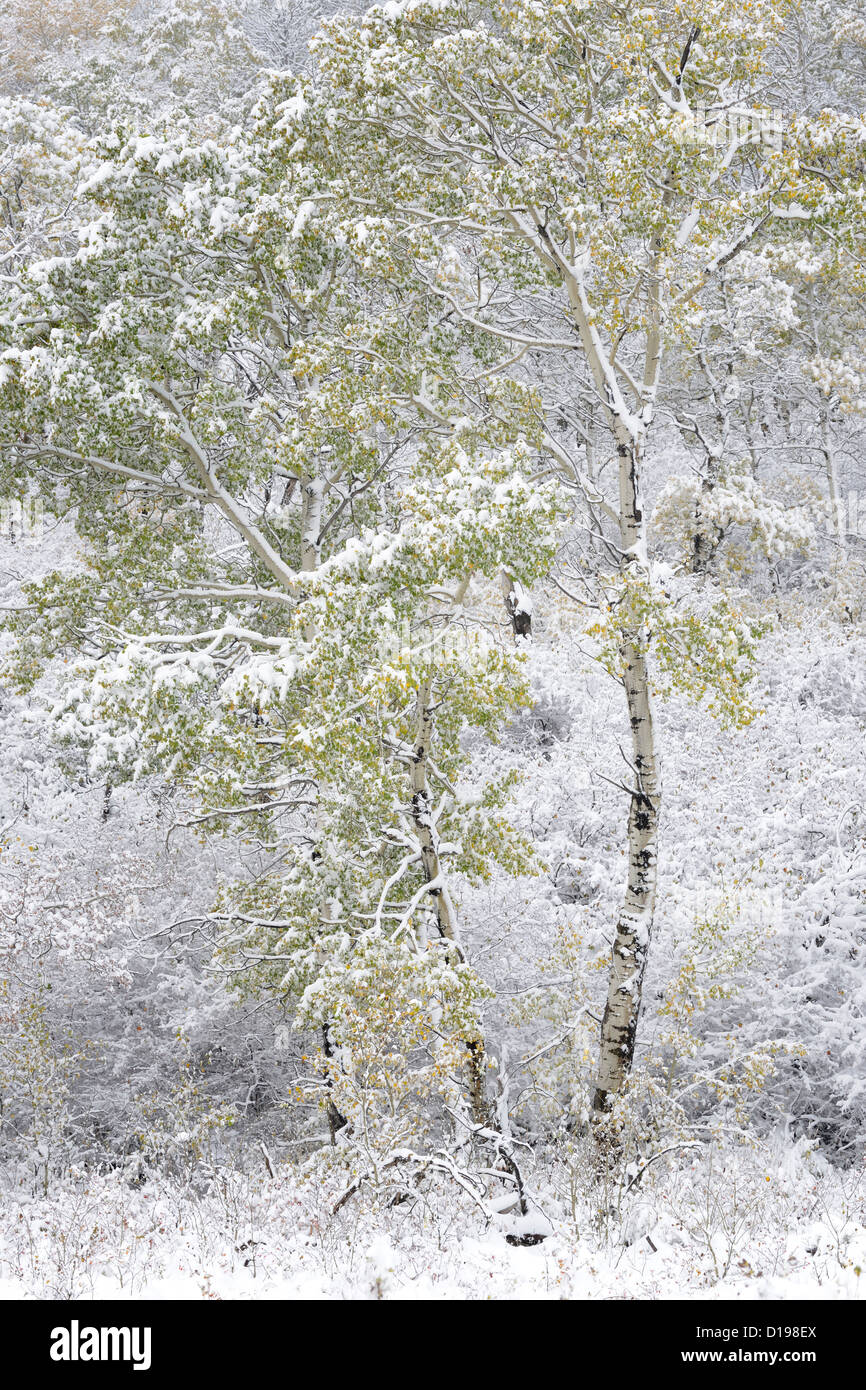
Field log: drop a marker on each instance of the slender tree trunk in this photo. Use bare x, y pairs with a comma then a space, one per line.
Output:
422, 816
312, 505
834, 492
631, 942
336, 1120
706, 534
446, 916
634, 927
313, 493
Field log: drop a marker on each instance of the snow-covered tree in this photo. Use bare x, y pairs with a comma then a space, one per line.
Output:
626, 161
281, 524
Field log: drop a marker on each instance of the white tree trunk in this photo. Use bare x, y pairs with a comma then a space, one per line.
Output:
629, 430
313, 501
312, 505
634, 927
834, 492
706, 535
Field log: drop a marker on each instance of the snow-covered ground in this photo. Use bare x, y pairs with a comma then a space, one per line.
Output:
772, 1222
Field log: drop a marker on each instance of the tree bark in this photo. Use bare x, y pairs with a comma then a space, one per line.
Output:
629, 430
312, 505
336, 1120
446, 916
517, 605
706, 536
834, 491
313, 498
634, 927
